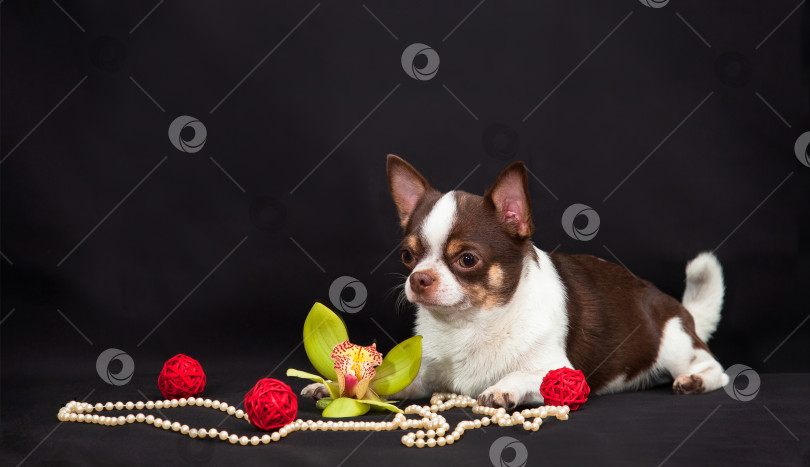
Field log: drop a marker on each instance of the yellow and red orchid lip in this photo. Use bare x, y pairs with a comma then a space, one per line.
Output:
354, 366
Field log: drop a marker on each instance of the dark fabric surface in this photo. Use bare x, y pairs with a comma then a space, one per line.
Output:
641, 428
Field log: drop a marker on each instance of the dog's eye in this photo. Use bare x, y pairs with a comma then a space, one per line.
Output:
467, 260
407, 257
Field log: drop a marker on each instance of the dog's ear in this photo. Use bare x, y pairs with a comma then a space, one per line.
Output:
510, 197
407, 187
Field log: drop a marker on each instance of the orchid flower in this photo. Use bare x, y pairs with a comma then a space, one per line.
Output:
357, 378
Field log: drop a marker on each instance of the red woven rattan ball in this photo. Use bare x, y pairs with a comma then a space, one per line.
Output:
182, 376
271, 404
565, 386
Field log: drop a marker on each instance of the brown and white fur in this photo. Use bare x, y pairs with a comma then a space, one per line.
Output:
496, 313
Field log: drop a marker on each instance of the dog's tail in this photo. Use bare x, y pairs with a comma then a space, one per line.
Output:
703, 296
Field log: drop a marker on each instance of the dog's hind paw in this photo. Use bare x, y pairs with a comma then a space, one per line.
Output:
496, 398
688, 384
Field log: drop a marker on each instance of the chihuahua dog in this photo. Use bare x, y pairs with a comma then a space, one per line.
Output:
497, 313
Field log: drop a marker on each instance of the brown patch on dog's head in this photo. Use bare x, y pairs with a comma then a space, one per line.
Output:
479, 230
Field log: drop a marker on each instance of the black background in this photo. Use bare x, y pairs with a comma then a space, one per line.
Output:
726, 179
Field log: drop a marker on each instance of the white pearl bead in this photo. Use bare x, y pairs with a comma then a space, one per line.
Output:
449, 440
130, 418
184, 429
409, 443
244, 440
150, 405
441, 441
192, 433
173, 403
150, 419
140, 418
202, 432
191, 401
200, 401
158, 404
527, 426
158, 422
129, 405
139, 405
275, 436
254, 440
233, 439
99, 407
216, 404
231, 410
266, 439
212, 432
223, 435
109, 406
420, 443
239, 413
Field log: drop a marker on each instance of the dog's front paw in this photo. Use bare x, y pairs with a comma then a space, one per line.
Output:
315, 391
498, 397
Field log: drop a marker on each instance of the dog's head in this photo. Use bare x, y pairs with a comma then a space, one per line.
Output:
463, 251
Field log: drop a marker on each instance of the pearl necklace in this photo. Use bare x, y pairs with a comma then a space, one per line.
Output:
435, 424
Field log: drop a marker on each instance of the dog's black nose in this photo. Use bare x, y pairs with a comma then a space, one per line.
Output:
421, 281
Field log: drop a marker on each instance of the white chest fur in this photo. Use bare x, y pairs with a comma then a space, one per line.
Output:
467, 351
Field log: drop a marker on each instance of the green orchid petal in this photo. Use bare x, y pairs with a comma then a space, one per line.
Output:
331, 386
323, 330
323, 403
346, 407
333, 389
382, 405
399, 367
304, 374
